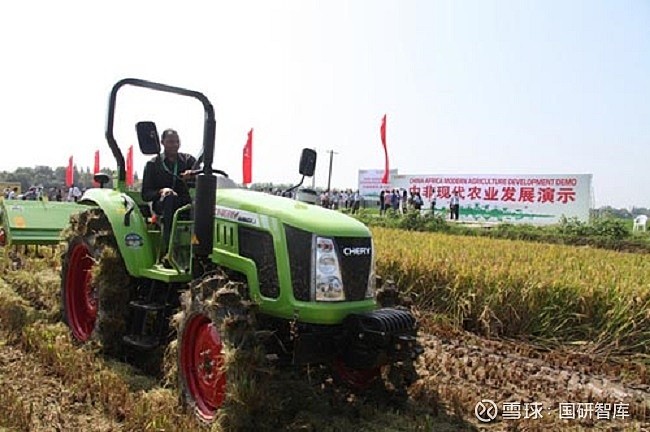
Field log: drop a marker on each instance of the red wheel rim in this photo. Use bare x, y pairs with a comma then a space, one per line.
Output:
3, 237
80, 297
202, 365
357, 379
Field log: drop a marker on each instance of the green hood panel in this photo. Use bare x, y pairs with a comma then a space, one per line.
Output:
308, 217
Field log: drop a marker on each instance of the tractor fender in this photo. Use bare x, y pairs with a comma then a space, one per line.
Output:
131, 234
240, 264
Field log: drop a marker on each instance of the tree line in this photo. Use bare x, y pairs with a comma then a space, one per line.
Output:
49, 177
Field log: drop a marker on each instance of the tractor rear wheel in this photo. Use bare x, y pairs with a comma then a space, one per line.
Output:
218, 353
95, 286
78, 292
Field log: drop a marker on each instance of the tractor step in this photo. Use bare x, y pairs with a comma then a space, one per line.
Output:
147, 307
141, 342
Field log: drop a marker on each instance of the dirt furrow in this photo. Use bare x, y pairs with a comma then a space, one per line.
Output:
519, 378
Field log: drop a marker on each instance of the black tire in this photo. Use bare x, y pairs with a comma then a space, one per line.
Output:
93, 272
219, 358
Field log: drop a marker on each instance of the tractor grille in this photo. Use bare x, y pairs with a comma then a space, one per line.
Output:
355, 268
299, 245
258, 246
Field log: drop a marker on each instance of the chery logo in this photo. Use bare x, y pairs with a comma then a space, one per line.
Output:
356, 251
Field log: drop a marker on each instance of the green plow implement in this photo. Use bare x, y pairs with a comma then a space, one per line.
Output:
34, 222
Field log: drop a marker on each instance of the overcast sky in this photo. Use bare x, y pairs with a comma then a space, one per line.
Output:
472, 87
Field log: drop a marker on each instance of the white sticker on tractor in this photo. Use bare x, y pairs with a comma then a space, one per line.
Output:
236, 215
133, 240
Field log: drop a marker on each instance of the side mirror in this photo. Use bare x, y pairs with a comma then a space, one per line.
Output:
308, 162
148, 137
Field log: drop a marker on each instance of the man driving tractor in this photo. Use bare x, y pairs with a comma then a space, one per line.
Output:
164, 180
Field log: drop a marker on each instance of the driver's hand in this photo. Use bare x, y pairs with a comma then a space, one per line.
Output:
166, 192
187, 174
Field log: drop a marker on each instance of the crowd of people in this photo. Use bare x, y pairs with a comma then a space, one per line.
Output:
399, 201
334, 199
345, 199
402, 201
38, 193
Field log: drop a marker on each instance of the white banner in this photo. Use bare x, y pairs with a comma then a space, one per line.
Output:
370, 182
536, 199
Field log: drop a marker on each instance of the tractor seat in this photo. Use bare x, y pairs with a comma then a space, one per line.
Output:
101, 178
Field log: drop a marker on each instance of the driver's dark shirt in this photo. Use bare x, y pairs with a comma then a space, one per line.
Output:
157, 176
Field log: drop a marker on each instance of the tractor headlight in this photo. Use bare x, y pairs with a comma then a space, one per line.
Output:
372, 278
327, 281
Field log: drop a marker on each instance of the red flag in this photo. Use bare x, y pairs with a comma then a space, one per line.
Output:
69, 173
96, 167
129, 166
247, 164
382, 130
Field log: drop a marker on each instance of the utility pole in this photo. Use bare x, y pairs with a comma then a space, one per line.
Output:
313, 179
329, 177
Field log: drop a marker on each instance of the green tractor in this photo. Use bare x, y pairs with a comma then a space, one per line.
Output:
245, 269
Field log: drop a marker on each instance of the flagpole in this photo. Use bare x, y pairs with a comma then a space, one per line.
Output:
329, 177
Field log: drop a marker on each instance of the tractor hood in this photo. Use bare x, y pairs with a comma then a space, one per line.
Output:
308, 217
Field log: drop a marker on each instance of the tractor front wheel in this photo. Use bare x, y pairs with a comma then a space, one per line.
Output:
219, 357
356, 379
202, 365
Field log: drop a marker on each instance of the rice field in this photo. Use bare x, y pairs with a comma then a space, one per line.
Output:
522, 289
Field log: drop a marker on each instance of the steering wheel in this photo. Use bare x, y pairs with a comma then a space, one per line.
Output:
216, 171
196, 170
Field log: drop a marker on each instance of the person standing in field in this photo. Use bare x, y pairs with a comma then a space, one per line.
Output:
433, 203
394, 200
74, 193
404, 201
417, 201
454, 206
388, 197
356, 202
